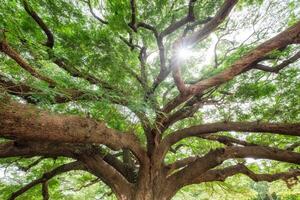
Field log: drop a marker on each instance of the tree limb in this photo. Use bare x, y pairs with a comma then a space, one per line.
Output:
132, 24
284, 129
117, 182
61, 128
45, 192
46, 149
222, 174
94, 14
289, 36
209, 27
228, 141
283, 39
177, 24
279, 67
5, 48
41, 23
34, 163
216, 157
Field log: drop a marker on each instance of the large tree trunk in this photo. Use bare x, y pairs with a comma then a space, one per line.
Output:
155, 190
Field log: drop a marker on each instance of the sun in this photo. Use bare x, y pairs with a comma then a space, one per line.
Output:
184, 53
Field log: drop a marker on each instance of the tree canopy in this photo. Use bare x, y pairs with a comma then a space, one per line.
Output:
149, 99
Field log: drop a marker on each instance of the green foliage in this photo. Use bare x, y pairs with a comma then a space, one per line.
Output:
97, 49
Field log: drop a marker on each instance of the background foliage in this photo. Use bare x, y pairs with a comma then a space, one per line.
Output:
94, 48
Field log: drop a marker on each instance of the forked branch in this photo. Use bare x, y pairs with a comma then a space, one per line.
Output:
216, 157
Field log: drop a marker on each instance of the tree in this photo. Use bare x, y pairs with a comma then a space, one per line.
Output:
109, 90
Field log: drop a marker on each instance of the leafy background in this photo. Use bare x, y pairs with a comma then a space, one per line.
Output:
94, 48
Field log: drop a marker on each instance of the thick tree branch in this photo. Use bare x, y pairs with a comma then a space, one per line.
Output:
284, 129
116, 181
216, 157
222, 174
228, 141
47, 176
287, 37
46, 149
283, 39
209, 27
24, 122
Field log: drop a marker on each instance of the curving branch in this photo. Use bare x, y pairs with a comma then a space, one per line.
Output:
209, 27
180, 164
26, 92
260, 127
47, 176
94, 14
191, 106
228, 141
9, 51
247, 62
63, 63
177, 24
142, 59
216, 157
61, 128
110, 176
222, 174
279, 67
41, 23
53, 150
